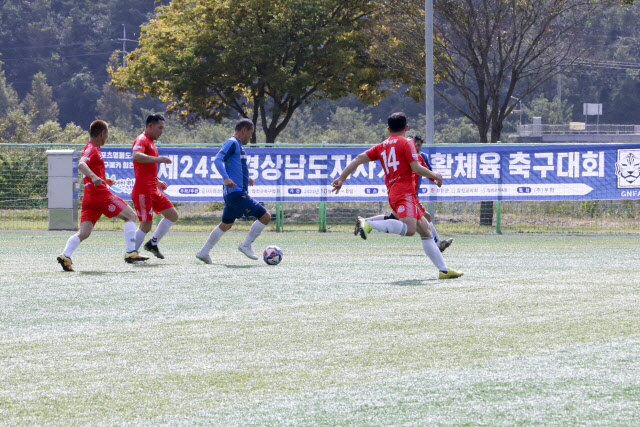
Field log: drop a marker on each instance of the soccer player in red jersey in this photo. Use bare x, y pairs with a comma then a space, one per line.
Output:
399, 160
147, 195
442, 244
98, 200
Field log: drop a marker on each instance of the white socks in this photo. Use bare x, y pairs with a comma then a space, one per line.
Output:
375, 218
434, 233
161, 230
390, 226
254, 232
139, 238
130, 235
434, 254
72, 244
212, 240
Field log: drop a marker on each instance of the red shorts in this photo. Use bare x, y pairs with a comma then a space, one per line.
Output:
406, 205
96, 205
148, 203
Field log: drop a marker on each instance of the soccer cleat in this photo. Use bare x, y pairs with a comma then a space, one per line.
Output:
153, 249
451, 274
248, 251
363, 227
204, 258
65, 262
444, 244
356, 229
133, 257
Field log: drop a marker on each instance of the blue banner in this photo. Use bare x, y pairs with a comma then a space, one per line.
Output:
471, 173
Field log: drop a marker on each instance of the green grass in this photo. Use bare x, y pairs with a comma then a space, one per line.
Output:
541, 330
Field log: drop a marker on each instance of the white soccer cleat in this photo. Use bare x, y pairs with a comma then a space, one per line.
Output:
204, 258
248, 251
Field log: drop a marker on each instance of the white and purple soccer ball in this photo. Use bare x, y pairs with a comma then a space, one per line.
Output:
272, 255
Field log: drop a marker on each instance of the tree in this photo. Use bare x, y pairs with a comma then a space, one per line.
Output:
259, 59
114, 106
552, 112
40, 101
492, 51
8, 96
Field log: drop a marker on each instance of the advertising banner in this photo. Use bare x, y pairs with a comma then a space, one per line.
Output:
471, 173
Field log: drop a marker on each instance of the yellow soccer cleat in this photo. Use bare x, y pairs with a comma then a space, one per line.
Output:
133, 257
451, 274
65, 262
363, 228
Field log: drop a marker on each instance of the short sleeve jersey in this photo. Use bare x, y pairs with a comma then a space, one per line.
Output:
234, 159
396, 155
92, 156
146, 173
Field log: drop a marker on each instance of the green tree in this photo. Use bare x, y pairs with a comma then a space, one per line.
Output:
260, 59
552, 112
40, 101
8, 96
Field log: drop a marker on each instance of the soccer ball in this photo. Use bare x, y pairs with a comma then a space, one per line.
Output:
272, 255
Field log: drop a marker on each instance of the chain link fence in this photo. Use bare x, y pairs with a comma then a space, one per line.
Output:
23, 205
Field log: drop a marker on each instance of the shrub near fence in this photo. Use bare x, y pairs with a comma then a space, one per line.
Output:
23, 205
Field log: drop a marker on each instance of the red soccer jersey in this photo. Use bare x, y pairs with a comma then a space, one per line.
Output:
395, 155
92, 156
146, 173
417, 178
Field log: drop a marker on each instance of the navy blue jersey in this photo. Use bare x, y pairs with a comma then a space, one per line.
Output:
426, 160
231, 162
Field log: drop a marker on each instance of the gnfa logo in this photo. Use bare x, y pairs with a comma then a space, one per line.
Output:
628, 168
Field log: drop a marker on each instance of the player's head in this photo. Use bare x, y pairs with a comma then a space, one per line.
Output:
397, 122
244, 130
154, 125
417, 139
98, 131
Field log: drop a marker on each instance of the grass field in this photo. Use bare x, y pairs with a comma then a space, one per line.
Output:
541, 330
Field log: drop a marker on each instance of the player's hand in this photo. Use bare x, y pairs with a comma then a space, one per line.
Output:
251, 181
110, 182
164, 159
337, 185
438, 179
228, 182
97, 181
162, 185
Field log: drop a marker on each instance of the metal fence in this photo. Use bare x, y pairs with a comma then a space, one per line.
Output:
23, 205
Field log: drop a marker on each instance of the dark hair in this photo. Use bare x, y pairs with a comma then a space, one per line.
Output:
97, 127
397, 122
244, 123
154, 118
418, 138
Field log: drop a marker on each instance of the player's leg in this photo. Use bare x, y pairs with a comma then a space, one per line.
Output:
402, 205
229, 215
162, 204
264, 218
123, 211
433, 251
144, 208
64, 259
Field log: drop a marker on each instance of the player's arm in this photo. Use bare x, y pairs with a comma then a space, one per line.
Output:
140, 157
360, 159
86, 170
416, 167
225, 152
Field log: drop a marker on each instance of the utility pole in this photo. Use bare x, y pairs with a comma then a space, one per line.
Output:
124, 41
429, 90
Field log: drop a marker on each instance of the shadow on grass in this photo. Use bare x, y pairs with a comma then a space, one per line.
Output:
240, 266
414, 282
103, 273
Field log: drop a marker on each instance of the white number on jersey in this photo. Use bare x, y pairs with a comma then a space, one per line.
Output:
391, 162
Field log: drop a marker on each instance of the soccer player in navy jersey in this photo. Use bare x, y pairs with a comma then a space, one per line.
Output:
442, 244
231, 162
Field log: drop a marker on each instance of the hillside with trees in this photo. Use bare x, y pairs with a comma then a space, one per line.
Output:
54, 78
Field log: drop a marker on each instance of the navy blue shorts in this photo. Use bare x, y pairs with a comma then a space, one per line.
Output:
239, 204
